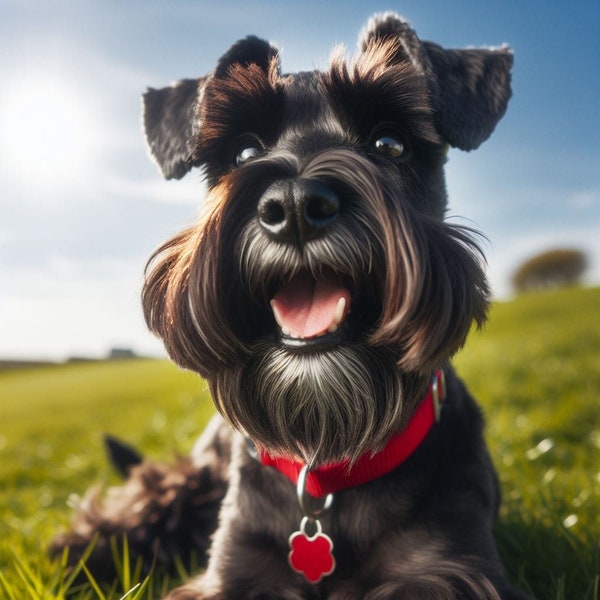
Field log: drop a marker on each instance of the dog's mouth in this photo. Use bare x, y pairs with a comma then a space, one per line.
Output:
311, 311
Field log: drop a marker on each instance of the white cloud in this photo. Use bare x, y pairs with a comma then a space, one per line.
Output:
72, 309
523, 217
189, 191
584, 200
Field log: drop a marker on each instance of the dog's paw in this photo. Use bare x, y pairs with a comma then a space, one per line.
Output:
199, 588
185, 592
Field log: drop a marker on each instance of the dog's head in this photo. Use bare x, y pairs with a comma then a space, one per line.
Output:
322, 287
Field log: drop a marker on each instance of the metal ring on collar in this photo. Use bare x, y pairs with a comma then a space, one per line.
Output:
311, 513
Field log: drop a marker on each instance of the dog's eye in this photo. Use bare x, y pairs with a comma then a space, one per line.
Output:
389, 147
247, 149
247, 154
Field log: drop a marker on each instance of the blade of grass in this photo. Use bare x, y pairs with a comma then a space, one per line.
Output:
28, 577
68, 583
4, 585
93, 582
126, 568
135, 587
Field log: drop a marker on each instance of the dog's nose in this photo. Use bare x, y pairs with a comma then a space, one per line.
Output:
298, 211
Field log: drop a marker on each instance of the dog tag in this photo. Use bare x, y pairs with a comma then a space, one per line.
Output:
311, 555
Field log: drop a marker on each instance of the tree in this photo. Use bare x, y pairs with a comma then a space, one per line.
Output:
555, 268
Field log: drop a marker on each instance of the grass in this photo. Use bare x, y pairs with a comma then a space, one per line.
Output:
535, 369
51, 426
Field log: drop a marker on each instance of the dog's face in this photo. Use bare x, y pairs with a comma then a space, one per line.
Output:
322, 287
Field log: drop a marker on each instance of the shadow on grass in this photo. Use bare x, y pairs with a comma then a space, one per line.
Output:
549, 562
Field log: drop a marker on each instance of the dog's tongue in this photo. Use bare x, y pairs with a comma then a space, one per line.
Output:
306, 307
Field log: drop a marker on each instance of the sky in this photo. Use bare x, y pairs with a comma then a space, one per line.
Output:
82, 206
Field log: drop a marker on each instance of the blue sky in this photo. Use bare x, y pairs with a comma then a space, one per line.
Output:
82, 206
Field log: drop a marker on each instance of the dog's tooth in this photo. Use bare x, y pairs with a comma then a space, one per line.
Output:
340, 307
285, 331
332, 328
276, 314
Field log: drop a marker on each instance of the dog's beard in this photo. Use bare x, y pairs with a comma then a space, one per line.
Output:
319, 406
342, 400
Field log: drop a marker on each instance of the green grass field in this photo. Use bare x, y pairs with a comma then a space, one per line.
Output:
535, 369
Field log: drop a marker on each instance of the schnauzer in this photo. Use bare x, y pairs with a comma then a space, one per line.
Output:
321, 295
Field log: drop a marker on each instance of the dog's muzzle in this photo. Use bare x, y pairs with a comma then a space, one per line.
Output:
307, 309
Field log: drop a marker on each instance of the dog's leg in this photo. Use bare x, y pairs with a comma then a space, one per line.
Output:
164, 512
422, 563
248, 557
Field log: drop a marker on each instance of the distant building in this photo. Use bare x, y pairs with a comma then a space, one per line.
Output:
121, 354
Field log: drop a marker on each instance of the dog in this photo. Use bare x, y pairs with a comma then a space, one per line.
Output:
321, 295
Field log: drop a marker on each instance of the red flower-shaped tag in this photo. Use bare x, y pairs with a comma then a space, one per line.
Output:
311, 555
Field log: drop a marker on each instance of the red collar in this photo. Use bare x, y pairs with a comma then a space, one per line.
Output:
334, 477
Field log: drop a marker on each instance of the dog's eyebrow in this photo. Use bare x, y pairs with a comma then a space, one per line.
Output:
374, 89
247, 90
248, 100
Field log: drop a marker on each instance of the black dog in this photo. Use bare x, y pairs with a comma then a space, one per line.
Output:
321, 296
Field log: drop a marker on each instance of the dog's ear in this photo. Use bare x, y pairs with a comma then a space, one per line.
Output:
122, 456
250, 50
171, 115
382, 26
169, 120
470, 88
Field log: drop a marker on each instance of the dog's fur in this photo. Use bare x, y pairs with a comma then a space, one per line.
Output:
326, 176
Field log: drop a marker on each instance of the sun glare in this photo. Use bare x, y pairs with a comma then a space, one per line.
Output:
45, 131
